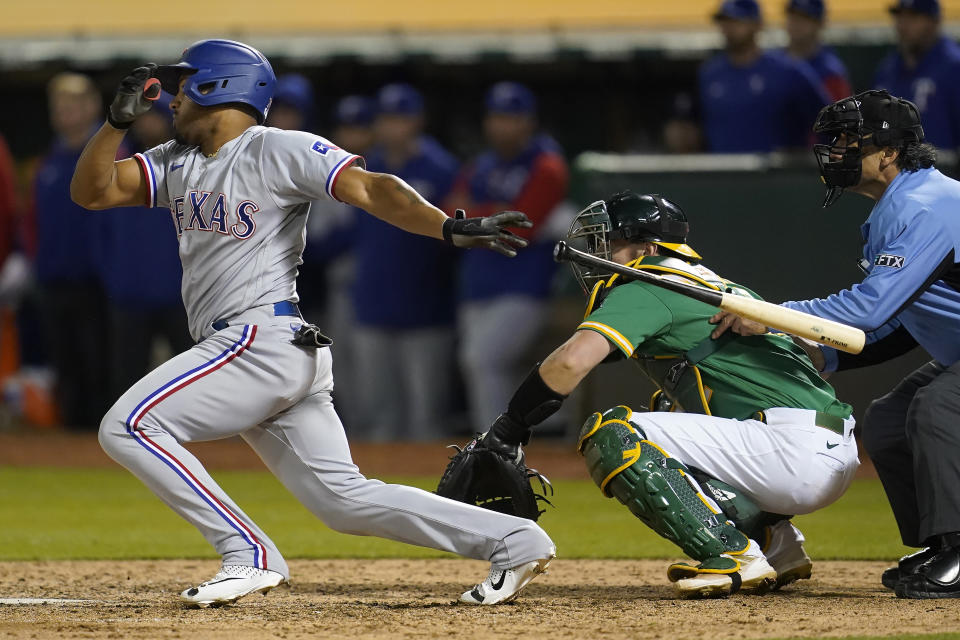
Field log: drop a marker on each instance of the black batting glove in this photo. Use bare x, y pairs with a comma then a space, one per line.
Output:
135, 96
488, 232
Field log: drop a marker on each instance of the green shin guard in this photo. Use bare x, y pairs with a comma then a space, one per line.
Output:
739, 509
659, 490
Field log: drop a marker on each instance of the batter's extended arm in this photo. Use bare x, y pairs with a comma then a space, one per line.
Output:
391, 199
394, 201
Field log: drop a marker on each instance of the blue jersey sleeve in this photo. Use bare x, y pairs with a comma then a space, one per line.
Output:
809, 96
904, 267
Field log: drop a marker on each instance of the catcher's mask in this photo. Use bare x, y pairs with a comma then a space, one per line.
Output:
632, 217
846, 128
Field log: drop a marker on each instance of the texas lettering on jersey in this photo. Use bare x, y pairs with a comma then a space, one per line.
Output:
256, 189
204, 212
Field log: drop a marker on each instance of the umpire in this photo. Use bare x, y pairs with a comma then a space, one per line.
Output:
910, 296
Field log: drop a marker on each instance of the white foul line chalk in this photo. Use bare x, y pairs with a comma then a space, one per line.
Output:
29, 601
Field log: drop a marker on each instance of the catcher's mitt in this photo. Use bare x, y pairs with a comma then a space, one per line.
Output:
488, 479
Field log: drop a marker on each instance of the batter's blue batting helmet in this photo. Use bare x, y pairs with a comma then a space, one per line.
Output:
222, 71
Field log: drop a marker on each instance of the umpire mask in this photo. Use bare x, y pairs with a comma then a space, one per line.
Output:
845, 128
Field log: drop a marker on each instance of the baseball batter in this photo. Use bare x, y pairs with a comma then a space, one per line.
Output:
239, 197
750, 419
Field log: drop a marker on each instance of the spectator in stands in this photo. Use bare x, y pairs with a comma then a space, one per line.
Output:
292, 106
67, 244
681, 131
503, 302
353, 119
403, 289
924, 69
8, 202
13, 268
326, 276
142, 273
804, 24
754, 100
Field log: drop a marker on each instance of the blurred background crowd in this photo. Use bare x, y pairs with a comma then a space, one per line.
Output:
430, 342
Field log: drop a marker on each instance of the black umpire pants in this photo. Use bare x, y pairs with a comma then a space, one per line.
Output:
913, 437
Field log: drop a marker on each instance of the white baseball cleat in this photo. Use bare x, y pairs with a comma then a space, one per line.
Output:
786, 554
755, 576
230, 584
503, 585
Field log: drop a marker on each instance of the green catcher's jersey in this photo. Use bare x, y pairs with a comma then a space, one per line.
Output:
746, 374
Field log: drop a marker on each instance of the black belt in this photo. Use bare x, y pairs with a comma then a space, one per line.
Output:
821, 419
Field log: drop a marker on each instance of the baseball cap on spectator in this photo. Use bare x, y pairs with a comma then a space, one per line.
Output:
511, 97
738, 10
929, 7
355, 110
812, 8
296, 91
399, 99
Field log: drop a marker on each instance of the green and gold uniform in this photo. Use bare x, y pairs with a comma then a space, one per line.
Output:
732, 377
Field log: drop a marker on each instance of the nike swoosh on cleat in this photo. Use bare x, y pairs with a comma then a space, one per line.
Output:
499, 584
207, 584
831, 446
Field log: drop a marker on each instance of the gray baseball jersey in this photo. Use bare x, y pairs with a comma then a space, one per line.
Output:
241, 215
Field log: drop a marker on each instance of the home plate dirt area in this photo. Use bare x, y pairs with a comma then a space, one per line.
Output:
417, 599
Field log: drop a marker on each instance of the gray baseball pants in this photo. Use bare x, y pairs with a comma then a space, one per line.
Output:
249, 380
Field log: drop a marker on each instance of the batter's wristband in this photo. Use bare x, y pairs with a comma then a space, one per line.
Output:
448, 230
123, 126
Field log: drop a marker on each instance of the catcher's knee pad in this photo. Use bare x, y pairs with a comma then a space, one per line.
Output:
656, 488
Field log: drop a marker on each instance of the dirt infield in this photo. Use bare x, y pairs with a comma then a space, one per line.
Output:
555, 457
415, 599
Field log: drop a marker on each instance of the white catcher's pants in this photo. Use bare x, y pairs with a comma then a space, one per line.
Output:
248, 379
787, 465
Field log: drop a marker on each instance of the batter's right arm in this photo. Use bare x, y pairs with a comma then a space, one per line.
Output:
99, 181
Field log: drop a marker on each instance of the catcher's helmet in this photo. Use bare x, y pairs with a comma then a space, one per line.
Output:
871, 118
220, 72
632, 217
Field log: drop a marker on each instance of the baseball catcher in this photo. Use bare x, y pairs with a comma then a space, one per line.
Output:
742, 432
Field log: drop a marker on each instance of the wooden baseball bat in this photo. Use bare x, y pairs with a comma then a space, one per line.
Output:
828, 332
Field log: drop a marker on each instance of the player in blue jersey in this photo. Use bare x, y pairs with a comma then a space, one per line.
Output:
500, 302
804, 24
924, 70
910, 296
754, 100
405, 335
